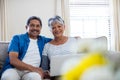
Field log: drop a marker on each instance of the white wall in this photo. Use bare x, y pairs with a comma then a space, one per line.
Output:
18, 11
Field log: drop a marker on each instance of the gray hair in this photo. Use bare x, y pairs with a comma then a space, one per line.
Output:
55, 19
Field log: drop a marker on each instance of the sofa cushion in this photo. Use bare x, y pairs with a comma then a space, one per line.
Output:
86, 45
3, 52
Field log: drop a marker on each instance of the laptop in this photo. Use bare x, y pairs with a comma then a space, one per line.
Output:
61, 63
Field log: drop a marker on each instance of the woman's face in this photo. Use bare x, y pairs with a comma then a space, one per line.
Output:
57, 29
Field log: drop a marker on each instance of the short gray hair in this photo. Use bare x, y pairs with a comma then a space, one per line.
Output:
55, 19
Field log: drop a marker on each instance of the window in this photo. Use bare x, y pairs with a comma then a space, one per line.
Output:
0, 27
90, 18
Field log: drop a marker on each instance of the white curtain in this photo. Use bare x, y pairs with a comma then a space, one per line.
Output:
3, 20
116, 23
62, 9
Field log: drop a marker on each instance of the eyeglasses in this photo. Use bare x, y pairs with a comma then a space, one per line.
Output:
56, 18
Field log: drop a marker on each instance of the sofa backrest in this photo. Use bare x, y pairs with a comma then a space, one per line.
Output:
92, 44
3, 52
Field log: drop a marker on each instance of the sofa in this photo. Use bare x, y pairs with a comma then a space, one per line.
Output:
86, 45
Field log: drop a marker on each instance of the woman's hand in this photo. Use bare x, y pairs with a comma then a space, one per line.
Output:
46, 74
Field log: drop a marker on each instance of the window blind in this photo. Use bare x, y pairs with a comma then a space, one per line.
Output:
90, 18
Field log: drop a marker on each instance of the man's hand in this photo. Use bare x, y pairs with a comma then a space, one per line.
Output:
38, 70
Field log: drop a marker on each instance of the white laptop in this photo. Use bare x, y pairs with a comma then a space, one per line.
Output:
57, 64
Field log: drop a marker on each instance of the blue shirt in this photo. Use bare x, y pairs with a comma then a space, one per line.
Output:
20, 44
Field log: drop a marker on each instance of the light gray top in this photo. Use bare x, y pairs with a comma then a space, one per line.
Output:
69, 47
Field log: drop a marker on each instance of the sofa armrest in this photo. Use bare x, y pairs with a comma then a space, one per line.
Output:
3, 52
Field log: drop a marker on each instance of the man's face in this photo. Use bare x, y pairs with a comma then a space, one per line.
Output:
34, 28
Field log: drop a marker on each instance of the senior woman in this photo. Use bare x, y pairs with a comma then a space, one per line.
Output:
60, 45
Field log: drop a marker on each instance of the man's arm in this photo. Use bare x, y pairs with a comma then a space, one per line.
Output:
17, 63
21, 65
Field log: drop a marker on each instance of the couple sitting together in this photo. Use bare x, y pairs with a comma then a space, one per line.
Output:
30, 53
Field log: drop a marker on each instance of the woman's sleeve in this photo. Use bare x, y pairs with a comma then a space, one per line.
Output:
45, 63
